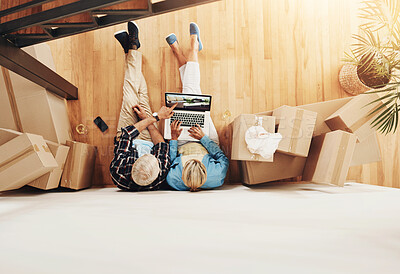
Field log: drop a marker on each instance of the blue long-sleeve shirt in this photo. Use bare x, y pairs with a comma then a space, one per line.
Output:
215, 161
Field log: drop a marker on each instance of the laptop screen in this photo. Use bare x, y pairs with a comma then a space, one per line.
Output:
192, 102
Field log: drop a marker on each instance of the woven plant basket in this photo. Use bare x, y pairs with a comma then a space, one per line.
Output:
348, 79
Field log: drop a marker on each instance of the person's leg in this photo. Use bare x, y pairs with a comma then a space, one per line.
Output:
191, 79
134, 92
178, 53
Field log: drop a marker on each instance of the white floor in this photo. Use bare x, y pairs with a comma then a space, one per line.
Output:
274, 228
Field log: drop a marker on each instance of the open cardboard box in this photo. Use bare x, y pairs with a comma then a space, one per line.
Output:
240, 125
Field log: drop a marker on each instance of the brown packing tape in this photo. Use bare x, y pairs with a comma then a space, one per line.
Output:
17, 157
36, 147
296, 130
46, 148
11, 98
360, 122
344, 142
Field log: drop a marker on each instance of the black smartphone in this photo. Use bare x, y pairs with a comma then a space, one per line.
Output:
100, 123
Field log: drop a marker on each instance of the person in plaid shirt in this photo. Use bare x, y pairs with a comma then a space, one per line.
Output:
141, 155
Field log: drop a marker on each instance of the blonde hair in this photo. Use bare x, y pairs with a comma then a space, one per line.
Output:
194, 174
145, 170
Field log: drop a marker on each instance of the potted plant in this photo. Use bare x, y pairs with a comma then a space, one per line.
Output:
373, 64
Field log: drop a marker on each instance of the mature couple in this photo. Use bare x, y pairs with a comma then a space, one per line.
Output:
143, 160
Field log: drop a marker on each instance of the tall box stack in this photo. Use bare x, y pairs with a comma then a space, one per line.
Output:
79, 167
355, 116
296, 127
240, 125
28, 107
329, 159
23, 159
319, 164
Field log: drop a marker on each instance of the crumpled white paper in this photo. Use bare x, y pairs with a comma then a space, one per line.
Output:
261, 142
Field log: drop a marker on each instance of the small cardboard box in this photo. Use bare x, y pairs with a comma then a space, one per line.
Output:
23, 159
79, 167
240, 125
354, 116
329, 159
367, 151
52, 179
283, 167
296, 127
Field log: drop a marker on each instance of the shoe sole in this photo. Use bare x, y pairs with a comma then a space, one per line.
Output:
135, 25
121, 31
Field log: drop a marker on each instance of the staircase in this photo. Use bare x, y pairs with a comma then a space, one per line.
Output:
29, 22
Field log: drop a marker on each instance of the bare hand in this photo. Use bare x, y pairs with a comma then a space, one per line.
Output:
165, 112
140, 112
176, 129
196, 132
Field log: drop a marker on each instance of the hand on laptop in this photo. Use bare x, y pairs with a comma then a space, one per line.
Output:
176, 129
140, 112
166, 112
196, 132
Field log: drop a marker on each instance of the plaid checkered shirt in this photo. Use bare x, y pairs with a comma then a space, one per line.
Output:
125, 156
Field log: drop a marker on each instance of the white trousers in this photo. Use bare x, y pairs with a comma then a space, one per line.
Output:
134, 93
190, 77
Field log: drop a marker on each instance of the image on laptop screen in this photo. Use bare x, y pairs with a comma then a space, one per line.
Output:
188, 101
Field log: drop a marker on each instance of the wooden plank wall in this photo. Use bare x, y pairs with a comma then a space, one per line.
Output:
258, 55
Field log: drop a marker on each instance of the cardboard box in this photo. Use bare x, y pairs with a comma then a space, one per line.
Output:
283, 167
41, 112
28, 107
354, 116
296, 127
367, 151
23, 159
79, 167
329, 159
240, 125
49, 180
52, 179
324, 110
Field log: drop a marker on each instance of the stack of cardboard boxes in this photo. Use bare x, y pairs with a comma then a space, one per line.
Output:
35, 136
320, 141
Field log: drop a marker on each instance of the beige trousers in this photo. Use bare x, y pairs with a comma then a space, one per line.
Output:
134, 93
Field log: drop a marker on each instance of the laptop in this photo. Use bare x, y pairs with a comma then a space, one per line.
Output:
192, 109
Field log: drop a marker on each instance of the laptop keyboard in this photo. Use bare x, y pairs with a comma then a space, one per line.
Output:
189, 119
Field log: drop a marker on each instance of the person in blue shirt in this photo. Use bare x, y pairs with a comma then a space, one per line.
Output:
194, 165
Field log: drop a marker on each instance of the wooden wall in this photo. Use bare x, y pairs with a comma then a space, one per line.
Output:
258, 55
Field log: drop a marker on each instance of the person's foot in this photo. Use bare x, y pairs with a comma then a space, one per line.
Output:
123, 38
133, 30
194, 30
171, 38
